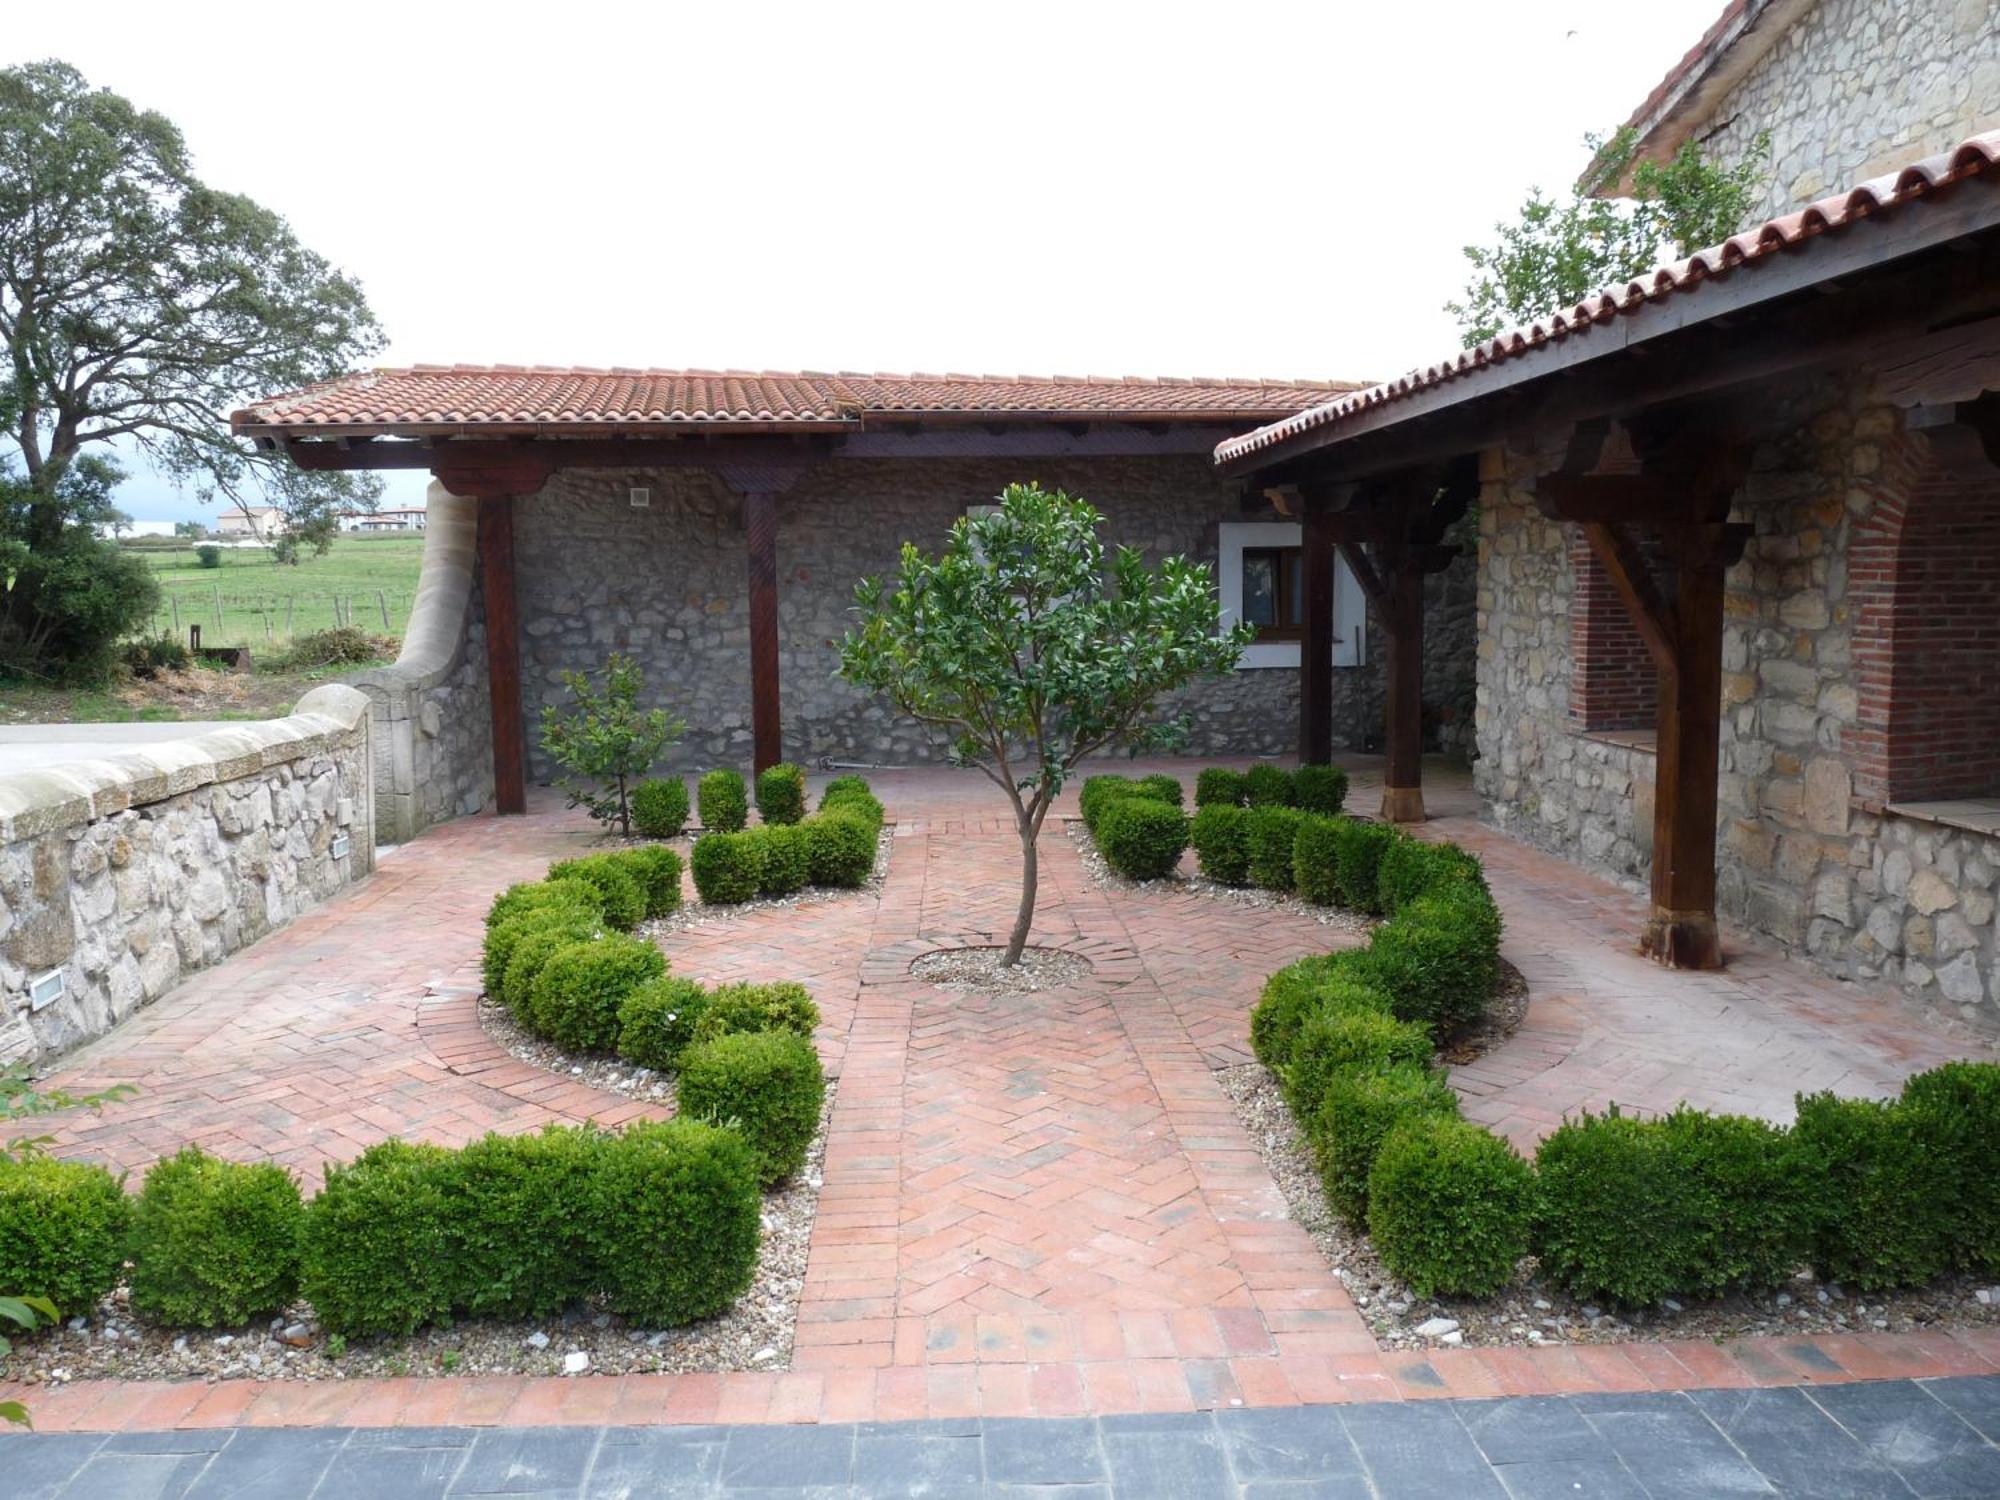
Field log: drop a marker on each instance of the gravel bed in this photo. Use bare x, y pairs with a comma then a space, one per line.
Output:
978, 971
1335, 917
693, 911
755, 1334
1530, 1312
611, 1074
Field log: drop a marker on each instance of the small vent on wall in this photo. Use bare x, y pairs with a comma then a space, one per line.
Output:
642, 497
340, 846
46, 989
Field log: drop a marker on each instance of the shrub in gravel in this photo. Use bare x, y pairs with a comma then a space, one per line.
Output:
843, 786
784, 858
377, 1250
501, 940
62, 1231
1098, 793
1218, 786
1141, 838
1220, 833
536, 895
767, 1084
779, 1006
1319, 789
727, 867
576, 998
1882, 1213
781, 793
1269, 835
658, 871
1438, 959
722, 801
854, 801
1449, 1207
1411, 868
1356, 1113
1267, 786
1749, 1206
1340, 1034
1315, 858
1955, 1112
656, 1022
1296, 991
520, 1235
531, 951
660, 807
1358, 850
214, 1243
841, 847
1162, 788
673, 1221
624, 901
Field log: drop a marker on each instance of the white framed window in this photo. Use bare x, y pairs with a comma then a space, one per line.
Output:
1260, 576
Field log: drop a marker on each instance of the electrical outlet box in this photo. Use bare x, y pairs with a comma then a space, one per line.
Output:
45, 989
341, 844
642, 496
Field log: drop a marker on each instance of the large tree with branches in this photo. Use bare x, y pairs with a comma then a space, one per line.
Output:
1020, 645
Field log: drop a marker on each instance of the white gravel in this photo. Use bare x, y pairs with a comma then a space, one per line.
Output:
1249, 897
978, 971
693, 911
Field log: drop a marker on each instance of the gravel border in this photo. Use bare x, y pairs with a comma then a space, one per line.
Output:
611, 1074
693, 911
978, 971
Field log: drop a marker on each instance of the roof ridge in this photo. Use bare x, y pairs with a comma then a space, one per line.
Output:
911, 376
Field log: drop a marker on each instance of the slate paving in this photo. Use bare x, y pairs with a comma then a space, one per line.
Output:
1878, 1440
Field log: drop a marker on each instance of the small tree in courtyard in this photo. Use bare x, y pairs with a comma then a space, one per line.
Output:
1021, 645
606, 740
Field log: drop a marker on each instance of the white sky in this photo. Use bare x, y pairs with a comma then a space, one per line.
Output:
1082, 188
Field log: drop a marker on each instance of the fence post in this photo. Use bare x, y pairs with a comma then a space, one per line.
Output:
382, 600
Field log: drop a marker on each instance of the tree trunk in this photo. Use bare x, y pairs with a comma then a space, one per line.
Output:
1025, 918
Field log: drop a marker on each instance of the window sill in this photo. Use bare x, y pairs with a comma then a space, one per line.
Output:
1973, 814
1645, 741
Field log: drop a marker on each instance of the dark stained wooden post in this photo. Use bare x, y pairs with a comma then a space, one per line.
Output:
1316, 651
1403, 769
503, 653
760, 526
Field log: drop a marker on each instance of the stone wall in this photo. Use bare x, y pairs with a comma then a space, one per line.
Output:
127, 874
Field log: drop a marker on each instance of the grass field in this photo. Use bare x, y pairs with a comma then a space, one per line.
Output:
369, 582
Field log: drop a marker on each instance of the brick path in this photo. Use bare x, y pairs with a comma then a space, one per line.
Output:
1035, 1205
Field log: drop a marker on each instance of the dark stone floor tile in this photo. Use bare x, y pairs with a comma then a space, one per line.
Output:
1287, 1442
1530, 1427
1419, 1449
1166, 1463
1796, 1446
135, 1476
656, 1463
1974, 1397
1599, 1478
1044, 1451
526, 1461
896, 1464
1936, 1452
38, 1464
796, 1459
270, 1463
375, 1473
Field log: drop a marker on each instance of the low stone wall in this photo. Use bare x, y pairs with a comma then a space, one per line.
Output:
124, 875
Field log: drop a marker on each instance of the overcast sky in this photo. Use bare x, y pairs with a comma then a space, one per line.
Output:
1153, 189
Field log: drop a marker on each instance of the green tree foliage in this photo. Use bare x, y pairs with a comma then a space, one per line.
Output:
605, 740
1562, 249
66, 596
1020, 644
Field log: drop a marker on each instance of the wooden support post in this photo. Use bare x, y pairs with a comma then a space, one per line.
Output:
1403, 769
1316, 652
760, 526
503, 653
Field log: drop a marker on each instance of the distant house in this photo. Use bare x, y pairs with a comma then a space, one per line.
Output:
383, 520
251, 521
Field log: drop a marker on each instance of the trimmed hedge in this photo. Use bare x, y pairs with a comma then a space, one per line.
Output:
723, 802
531, 952
1269, 835
519, 1242
1410, 869
1319, 789
63, 1227
1341, 1033
501, 941
1218, 786
784, 858
674, 1219
377, 1251
660, 807
1955, 1112
1438, 961
214, 1243
1220, 833
658, 871
656, 1022
835, 847
538, 895
576, 998
612, 878
1315, 859
1162, 788
1356, 1113
768, 1084
1449, 1207
781, 793
841, 847
1296, 991
1357, 856
778, 1006
1098, 793
1267, 786
1142, 838
1884, 1206
728, 867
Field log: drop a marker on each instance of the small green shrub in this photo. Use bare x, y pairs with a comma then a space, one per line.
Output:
660, 807
781, 793
1955, 1112
1295, 992
1220, 833
1218, 786
728, 867
624, 901
1315, 859
841, 846
344, 645
1882, 1215
534, 895
209, 555
532, 950
784, 860
63, 1227
843, 786
1357, 1112
656, 1022
378, 1248
1358, 850
148, 657
723, 802
1162, 788
1269, 835
520, 1235
1267, 786
576, 998
768, 1084
214, 1243
1750, 1208
674, 1221
1449, 1207
1411, 869
1141, 838
1438, 960
1340, 1034
501, 941
779, 1006
657, 869
855, 803
1319, 789
1098, 793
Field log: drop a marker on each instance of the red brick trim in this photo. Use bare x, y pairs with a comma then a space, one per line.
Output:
1612, 681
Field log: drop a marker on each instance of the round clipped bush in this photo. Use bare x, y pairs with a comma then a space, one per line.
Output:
1161, 788
784, 860
658, 871
520, 1240
1356, 1114
1294, 992
656, 1022
498, 950
538, 941
781, 793
840, 846
1955, 1112
780, 1006
62, 1232
535, 895
855, 802
1340, 1034
1358, 850
1438, 959
1267, 786
723, 802
1098, 793
624, 902
843, 786
1269, 835
1141, 838
1218, 786
377, 1254
674, 1220
1319, 789
1411, 869
1220, 833
660, 807
1882, 1214
1612, 1219
1449, 1207
576, 998
1751, 1208
1315, 858
767, 1084
727, 867
214, 1243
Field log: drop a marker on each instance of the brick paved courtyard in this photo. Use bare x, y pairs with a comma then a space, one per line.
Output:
1034, 1205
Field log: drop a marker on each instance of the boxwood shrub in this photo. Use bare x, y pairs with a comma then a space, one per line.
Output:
778, 1006
728, 867
1449, 1207
498, 950
1220, 833
1098, 793
781, 793
1411, 868
520, 1237
1269, 835
535, 895
850, 797
842, 787
1267, 786
1955, 1113
377, 1251
658, 871
577, 996
1751, 1206
841, 847
768, 1084
1162, 788
531, 952
722, 801
1142, 838
214, 1243
1218, 786
1315, 858
1357, 855
1355, 1115
1340, 1034
784, 858
656, 1022
660, 807
1319, 789
624, 901
1296, 991
1882, 1214
62, 1231
1438, 960
674, 1220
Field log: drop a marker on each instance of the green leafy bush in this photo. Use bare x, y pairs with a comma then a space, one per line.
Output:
784, 858
781, 793
502, 941
843, 786
576, 997
1218, 786
1340, 1034
1269, 835
1358, 1110
1319, 789
214, 1243
1098, 793
1955, 1112
208, 555
1295, 992
63, 1229
768, 1084
1882, 1215
660, 807
1449, 1207
674, 1221
1267, 786
1220, 833
779, 1006
728, 867
853, 801
656, 1022
605, 741
378, 1248
1358, 850
624, 901
657, 869
723, 801
148, 657
1141, 838
1438, 960
841, 846
532, 950
1749, 1206
1411, 868
520, 1235
1162, 788
1315, 858
534, 895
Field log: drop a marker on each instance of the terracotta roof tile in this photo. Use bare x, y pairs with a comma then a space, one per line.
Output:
1912, 184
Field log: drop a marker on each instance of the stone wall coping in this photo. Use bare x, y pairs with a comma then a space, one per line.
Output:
436, 632
42, 801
